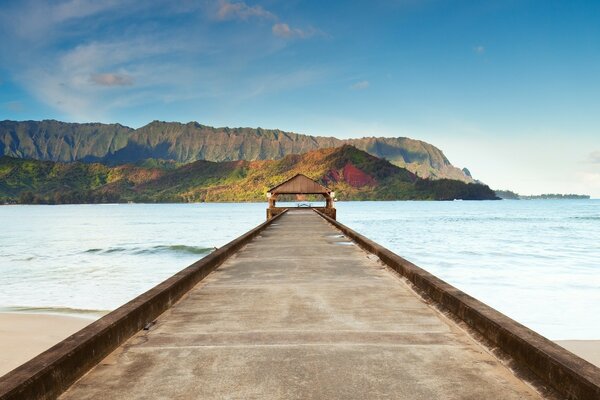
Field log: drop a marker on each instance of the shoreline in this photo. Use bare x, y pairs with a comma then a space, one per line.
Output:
259, 201
25, 335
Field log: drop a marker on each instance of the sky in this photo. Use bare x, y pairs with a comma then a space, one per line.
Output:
509, 89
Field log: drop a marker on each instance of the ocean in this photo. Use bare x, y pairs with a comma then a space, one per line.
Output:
537, 261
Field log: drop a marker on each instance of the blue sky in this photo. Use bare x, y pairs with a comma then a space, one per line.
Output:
509, 89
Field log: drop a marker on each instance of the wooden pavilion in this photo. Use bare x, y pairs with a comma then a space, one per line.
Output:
300, 184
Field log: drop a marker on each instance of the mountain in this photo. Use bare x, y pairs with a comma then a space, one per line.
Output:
61, 141
352, 173
115, 144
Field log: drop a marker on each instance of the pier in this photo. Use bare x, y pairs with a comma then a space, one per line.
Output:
304, 307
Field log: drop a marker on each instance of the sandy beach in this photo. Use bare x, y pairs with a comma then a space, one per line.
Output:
23, 336
587, 349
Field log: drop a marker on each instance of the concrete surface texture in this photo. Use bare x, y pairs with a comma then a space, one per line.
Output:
301, 312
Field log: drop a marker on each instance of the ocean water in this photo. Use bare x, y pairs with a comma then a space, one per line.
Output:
537, 261
90, 259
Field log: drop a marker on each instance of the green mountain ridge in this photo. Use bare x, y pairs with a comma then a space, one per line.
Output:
352, 173
115, 144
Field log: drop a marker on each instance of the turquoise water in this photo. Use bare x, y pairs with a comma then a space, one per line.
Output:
536, 261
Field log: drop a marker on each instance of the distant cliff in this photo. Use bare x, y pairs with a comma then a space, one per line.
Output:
115, 144
352, 173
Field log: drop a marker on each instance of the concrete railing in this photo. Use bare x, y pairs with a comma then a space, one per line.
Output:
53, 371
569, 375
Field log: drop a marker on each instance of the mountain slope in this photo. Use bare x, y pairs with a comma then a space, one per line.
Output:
352, 173
61, 141
115, 144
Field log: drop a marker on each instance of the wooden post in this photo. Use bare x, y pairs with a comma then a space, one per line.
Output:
328, 201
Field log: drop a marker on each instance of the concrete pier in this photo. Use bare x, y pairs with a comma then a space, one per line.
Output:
302, 312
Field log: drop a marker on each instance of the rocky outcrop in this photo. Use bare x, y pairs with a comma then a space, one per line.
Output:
355, 177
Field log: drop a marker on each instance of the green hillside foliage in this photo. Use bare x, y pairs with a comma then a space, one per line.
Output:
178, 143
353, 174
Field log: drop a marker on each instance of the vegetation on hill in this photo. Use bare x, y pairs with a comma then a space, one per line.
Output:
509, 195
352, 173
115, 144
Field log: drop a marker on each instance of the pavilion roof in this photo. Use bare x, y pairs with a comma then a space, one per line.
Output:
300, 184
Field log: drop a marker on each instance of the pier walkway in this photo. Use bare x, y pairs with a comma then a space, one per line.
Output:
301, 312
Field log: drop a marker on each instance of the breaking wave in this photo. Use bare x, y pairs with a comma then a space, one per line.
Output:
177, 248
86, 313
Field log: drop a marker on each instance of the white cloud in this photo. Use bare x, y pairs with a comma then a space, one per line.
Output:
227, 10
285, 31
479, 49
362, 85
112, 79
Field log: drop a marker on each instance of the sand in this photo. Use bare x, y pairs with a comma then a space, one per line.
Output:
23, 336
587, 349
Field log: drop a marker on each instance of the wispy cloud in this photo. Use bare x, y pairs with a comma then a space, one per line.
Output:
278, 82
227, 10
285, 31
74, 81
32, 20
112, 79
88, 57
590, 180
594, 157
70, 9
14, 106
361, 85
479, 49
